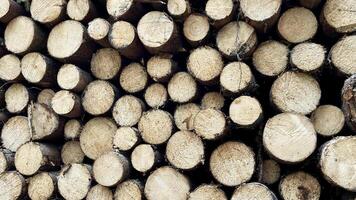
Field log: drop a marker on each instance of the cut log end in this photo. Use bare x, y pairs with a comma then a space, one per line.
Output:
133, 78
15, 133
271, 172
182, 87
328, 120
338, 16
130, 189
161, 67
105, 63
10, 68
342, 55
308, 57
13, 185
156, 95
17, 97
98, 30
126, 138
245, 111
236, 77
72, 153
81, 10
210, 123
178, 9
253, 190
144, 157
196, 28
45, 96
41, 186
213, 100
184, 116
207, 192
67, 104
71, 77
72, 129
127, 110
219, 12
48, 12
99, 192
9, 9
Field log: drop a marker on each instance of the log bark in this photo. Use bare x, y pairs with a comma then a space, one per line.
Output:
182, 88
161, 67
98, 30
308, 57
105, 63
9, 10
156, 95
72, 153
67, 104
133, 78
73, 78
15, 133
81, 10
207, 192
328, 120
210, 124
17, 97
348, 98
310, 4
144, 158
42, 185
128, 110
99, 192
48, 13
253, 190
126, 138
32, 157
10, 68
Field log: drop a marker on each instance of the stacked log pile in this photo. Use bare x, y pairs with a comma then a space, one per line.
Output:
177, 99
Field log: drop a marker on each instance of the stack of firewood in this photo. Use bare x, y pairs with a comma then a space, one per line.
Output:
178, 99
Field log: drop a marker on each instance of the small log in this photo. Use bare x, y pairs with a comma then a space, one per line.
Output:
295, 92
156, 95
32, 157
42, 186
123, 37
17, 96
144, 158
262, 15
205, 64
342, 55
299, 185
130, 189
10, 68
99, 192
71, 77
236, 40
98, 30
182, 88
207, 192
185, 150
213, 100
7, 159
335, 155
210, 124
67, 104
220, 12
105, 63
9, 9
184, 116
68, 43
348, 98
310, 4
328, 120
72, 153
166, 183
39, 69
98, 97
19, 43
196, 29
271, 172
45, 96
270, 58
111, 168
308, 57
74, 181
72, 129
291, 21
253, 190
232, 163
161, 67
45, 124
128, 10
289, 137
235, 78
128, 110
126, 138
133, 78
178, 9
155, 126
338, 17
48, 13
81, 10
12, 185
246, 111
96, 137
158, 33
15, 133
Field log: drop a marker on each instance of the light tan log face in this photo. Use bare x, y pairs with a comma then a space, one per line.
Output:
126, 138
328, 120
184, 116
15, 132
99, 192
130, 189
308, 56
10, 68
253, 190
342, 55
48, 12
270, 172
42, 186
207, 192
209, 123
339, 15
12, 185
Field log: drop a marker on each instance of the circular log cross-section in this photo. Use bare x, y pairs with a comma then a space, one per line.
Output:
196, 29
96, 137
289, 137
245, 111
167, 183
45, 96
178, 9
71, 77
155, 126
105, 63
98, 97
124, 10
17, 97
210, 124
328, 120
15, 133
99, 192
72, 129
42, 186
81, 10
130, 189
297, 25
205, 64
126, 138
207, 192
68, 42
133, 78
236, 77
213, 100
295, 92
342, 55
348, 98
74, 181
18, 42
185, 150
98, 30
156, 95
9, 9
232, 163
10, 68
72, 152
32, 157
253, 190
270, 58
161, 67
299, 185
308, 57
48, 12
337, 160
12, 185
158, 33
220, 12
127, 110
110, 169
144, 157
271, 172
236, 40
182, 87
67, 104
261, 14
184, 116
